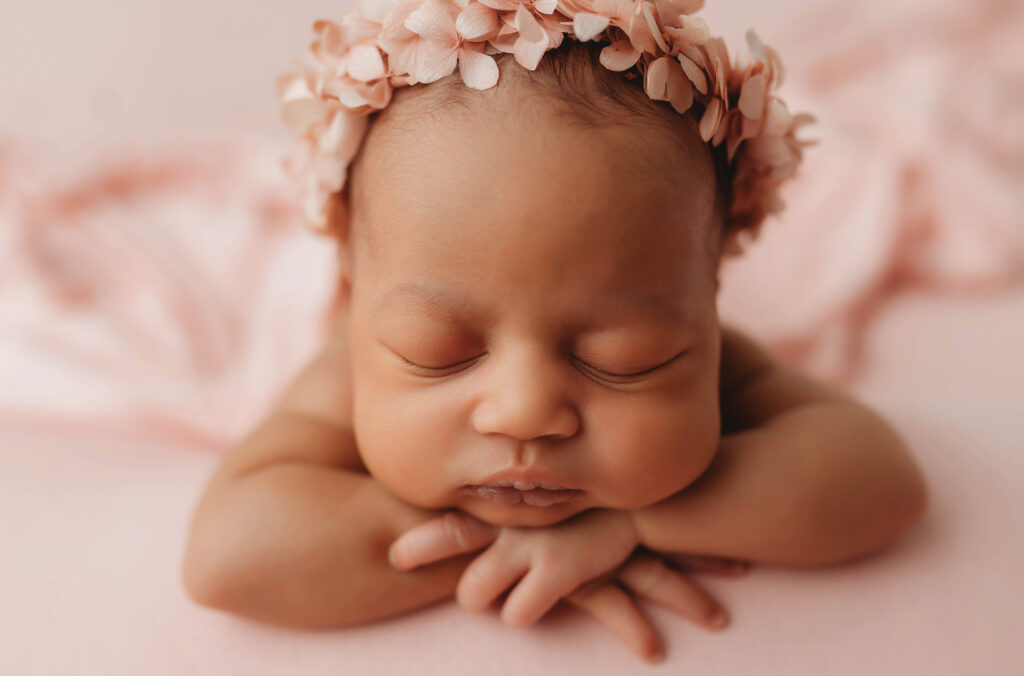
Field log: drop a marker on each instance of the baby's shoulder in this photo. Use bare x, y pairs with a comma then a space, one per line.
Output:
741, 360
322, 391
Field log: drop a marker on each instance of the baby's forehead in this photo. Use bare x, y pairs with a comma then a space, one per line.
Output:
402, 164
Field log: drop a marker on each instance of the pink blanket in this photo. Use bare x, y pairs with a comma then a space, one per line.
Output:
152, 304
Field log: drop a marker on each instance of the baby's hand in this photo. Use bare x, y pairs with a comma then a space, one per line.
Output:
551, 561
581, 560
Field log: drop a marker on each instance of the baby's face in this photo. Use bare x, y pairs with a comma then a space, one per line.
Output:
510, 273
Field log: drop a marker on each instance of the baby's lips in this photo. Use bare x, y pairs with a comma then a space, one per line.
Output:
537, 497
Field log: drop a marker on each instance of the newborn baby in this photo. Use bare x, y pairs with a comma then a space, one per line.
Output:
527, 360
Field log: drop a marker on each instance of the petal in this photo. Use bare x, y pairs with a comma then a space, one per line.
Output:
393, 31
299, 108
801, 119
709, 121
476, 21
620, 55
433, 21
314, 205
652, 26
752, 96
777, 120
733, 128
666, 82
755, 45
478, 70
617, 9
766, 151
347, 93
343, 135
528, 27
680, 90
776, 65
365, 63
356, 95
641, 38
433, 61
401, 80
723, 125
503, 5
402, 57
331, 36
587, 26
692, 30
656, 79
751, 126
694, 72
505, 43
545, 6
528, 54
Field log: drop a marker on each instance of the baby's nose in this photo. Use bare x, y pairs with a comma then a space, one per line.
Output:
528, 400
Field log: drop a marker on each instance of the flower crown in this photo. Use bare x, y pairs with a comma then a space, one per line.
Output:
359, 60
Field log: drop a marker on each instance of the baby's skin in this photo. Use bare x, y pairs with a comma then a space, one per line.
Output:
523, 300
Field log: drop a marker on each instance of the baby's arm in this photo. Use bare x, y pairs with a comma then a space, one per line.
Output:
291, 530
803, 475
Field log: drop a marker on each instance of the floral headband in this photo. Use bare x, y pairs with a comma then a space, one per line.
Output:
359, 60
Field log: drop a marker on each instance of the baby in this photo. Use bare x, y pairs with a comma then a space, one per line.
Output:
526, 360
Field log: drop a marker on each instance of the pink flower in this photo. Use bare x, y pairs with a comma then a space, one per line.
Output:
525, 28
349, 64
707, 66
422, 40
665, 80
384, 44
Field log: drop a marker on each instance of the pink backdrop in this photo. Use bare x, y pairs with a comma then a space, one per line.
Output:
156, 290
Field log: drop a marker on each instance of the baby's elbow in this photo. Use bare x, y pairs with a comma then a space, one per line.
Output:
911, 503
218, 567
203, 579
904, 497
897, 505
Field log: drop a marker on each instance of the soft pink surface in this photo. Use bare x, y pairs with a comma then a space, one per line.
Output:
151, 307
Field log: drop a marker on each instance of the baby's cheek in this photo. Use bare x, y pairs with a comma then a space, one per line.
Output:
656, 451
401, 446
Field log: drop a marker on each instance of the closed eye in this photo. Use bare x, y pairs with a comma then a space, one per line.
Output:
441, 370
635, 374
435, 369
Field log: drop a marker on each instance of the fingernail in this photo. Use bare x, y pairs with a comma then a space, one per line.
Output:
391, 558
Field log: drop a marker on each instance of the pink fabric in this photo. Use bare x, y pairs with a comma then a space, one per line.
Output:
153, 303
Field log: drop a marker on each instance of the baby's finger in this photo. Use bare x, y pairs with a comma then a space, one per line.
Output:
712, 565
533, 597
486, 578
647, 575
452, 534
614, 608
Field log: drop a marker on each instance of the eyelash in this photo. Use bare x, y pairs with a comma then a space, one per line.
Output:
437, 369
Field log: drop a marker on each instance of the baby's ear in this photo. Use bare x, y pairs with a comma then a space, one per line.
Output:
337, 216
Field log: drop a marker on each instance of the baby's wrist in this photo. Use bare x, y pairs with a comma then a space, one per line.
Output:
625, 522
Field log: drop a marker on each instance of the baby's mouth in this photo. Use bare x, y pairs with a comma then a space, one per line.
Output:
540, 494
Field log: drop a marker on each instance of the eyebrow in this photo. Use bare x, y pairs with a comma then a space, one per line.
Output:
439, 301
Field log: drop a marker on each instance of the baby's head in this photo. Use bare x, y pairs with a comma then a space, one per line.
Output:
530, 281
